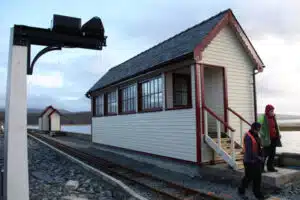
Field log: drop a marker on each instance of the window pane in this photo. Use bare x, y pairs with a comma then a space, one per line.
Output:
160, 98
159, 84
152, 94
128, 98
181, 90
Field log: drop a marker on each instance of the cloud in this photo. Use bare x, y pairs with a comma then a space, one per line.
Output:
51, 80
62, 77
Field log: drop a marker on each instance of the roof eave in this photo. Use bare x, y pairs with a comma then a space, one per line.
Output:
230, 19
152, 69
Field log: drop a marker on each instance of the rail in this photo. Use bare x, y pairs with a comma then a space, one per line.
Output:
212, 113
242, 119
238, 115
218, 123
165, 188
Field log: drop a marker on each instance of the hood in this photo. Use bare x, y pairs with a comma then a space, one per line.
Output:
268, 108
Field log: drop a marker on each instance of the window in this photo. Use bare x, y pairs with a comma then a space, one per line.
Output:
151, 94
99, 105
128, 99
111, 103
181, 90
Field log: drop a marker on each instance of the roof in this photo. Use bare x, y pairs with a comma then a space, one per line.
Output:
46, 109
53, 111
178, 46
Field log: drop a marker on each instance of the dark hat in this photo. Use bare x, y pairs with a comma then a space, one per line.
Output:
256, 126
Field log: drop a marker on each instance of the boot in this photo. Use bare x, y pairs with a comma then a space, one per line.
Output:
272, 169
259, 196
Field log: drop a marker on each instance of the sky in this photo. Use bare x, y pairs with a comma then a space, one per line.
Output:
61, 78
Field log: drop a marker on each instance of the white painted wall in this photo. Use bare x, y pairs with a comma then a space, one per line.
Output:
55, 121
166, 133
214, 95
226, 50
46, 119
40, 123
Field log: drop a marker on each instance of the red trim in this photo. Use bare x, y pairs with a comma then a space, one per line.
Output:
240, 30
93, 106
127, 113
225, 94
202, 96
46, 109
180, 107
200, 47
151, 110
187, 78
105, 101
204, 107
111, 114
120, 100
239, 116
165, 89
229, 19
53, 111
217, 117
147, 154
198, 112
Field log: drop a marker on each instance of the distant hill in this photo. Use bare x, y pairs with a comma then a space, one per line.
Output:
66, 118
38, 110
286, 117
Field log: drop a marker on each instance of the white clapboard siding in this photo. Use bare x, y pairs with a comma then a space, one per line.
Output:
166, 133
214, 95
226, 50
169, 133
55, 122
45, 119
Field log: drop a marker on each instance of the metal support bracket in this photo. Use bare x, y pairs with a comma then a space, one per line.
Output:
30, 64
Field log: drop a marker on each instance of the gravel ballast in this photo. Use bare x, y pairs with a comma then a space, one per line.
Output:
53, 177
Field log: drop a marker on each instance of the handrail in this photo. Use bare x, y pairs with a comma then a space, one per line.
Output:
238, 115
218, 118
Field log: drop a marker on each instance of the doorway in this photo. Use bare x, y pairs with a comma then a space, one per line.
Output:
214, 95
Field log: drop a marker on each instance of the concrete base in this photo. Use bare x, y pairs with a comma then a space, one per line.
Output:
219, 172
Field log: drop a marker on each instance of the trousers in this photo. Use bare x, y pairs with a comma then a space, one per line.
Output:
269, 155
252, 174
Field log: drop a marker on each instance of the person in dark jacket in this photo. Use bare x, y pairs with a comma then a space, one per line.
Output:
270, 136
253, 159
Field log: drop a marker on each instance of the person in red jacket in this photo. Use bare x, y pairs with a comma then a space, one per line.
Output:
270, 136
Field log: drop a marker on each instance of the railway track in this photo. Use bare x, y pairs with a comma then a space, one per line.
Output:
165, 189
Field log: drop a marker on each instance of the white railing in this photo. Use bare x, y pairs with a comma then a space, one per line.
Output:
232, 144
219, 137
242, 122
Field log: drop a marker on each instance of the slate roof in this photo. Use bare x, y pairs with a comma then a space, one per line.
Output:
177, 46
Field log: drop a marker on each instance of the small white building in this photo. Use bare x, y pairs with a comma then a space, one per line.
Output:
49, 120
175, 99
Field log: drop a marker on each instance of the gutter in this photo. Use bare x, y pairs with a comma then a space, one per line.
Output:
254, 92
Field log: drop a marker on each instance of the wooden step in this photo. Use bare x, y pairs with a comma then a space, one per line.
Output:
240, 165
238, 156
226, 141
223, 140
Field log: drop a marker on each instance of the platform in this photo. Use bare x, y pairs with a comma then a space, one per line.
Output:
218, 178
